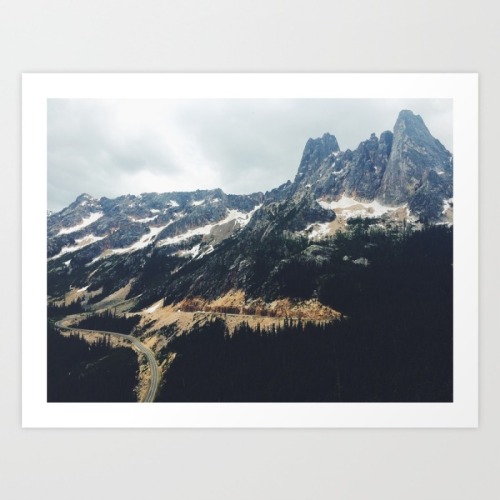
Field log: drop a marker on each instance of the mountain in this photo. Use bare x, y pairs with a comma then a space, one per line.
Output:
207, 243
407, 167
334, 287
89, 230
419, 169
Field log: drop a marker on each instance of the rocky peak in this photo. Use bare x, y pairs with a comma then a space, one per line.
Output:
410, 132
409, 119
363, 169
414, 153
407, 166
84, 197
316, 151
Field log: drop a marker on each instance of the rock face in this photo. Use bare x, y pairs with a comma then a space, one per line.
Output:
292, 215
408, 167
419, 170
366, 166
315, 153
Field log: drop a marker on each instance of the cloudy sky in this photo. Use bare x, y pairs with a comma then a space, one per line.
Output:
114, 147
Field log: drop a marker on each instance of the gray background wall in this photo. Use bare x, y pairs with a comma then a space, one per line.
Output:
257, 35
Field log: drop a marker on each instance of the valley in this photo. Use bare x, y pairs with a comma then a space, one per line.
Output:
183, 317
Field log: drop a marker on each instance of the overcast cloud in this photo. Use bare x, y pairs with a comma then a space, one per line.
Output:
115, 147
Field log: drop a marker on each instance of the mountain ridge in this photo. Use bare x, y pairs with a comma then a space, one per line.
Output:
207, 242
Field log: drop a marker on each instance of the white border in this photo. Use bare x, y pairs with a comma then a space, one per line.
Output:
462, 88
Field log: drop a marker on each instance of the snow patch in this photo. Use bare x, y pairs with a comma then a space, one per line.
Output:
197, 203
192, 252
362, 261
81, 290
317, 230
203, 230
154, 307
210, 249
241, 217
143, 242
146, 219
354, 208
255, 208
79, 244
86, 221
447, 205
339, 172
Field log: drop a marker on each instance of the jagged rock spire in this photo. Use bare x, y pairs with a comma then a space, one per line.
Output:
316, 151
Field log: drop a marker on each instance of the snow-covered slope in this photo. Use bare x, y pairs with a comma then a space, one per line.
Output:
179, 222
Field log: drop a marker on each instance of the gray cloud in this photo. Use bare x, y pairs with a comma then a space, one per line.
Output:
90, 149
114, 147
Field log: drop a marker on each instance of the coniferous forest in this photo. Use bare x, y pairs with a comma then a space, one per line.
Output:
394, 342
109, 321
394, 345
83, 372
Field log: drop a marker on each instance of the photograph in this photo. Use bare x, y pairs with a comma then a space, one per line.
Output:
258, 250
241, 250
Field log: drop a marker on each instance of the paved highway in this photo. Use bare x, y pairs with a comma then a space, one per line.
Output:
137, 344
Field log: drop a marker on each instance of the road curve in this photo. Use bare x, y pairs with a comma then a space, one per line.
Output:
137, 344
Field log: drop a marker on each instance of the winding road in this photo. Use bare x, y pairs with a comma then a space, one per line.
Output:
137, 344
